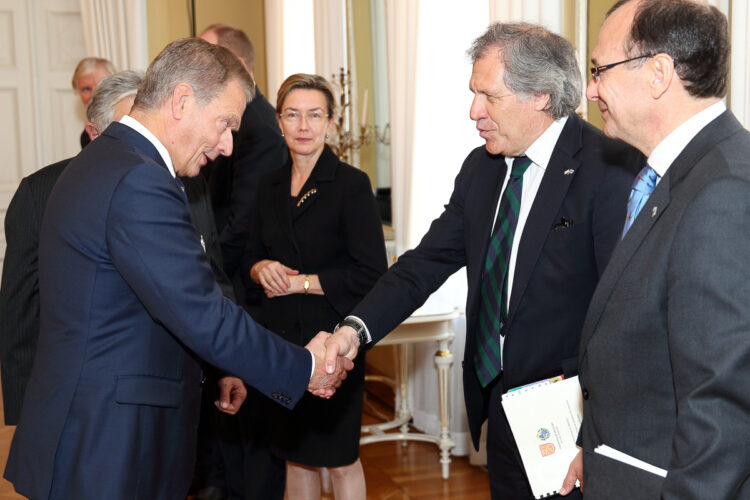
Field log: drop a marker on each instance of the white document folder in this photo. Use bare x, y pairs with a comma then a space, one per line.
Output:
545, 419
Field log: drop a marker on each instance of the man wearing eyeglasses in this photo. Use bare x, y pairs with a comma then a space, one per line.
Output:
665, 348
534, 216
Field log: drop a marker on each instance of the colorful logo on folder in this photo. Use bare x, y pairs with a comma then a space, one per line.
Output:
542, 434
547, 449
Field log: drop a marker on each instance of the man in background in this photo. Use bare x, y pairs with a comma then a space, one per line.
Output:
129, 305
236, 447
19, 289
89, 71
534, 216
665, 348
233, 180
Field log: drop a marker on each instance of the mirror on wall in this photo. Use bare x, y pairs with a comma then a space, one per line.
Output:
369, 75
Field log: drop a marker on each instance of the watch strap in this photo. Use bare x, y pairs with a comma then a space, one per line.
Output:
356, 326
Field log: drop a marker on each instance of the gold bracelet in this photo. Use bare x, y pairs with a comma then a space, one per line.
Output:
306, 284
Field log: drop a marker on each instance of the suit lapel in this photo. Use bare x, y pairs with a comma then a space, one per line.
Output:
323, 173
715, 132
546, 206
624, 251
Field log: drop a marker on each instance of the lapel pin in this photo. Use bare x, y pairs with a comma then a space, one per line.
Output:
306, 196
203, 244
569, 172
653, 212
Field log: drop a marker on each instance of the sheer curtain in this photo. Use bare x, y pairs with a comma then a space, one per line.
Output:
116, 30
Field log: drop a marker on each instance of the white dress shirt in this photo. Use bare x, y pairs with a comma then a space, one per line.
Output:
539, 153
141, 129
665, 153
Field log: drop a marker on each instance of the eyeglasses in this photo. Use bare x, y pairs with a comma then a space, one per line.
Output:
597, 70
314, 117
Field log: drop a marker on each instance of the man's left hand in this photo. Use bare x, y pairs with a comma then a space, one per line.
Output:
575, 471
232, 393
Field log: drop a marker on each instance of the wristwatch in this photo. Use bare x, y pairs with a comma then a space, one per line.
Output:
306, 284
358, 327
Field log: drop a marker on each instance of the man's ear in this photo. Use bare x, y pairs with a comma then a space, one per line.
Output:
661, 72
182, 95
92, 131
541, 101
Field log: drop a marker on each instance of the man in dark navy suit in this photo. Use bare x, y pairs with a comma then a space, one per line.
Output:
129, 304
19, 289
534, 216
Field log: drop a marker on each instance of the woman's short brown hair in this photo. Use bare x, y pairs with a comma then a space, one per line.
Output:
305, 81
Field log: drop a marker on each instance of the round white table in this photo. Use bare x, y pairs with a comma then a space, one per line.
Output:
422, 326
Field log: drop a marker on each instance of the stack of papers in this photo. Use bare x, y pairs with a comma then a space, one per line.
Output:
545, 418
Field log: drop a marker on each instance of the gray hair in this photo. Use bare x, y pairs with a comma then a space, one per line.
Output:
206, 67
88, 65
109, 91
536, 62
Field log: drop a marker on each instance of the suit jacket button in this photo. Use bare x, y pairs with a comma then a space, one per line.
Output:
585, 393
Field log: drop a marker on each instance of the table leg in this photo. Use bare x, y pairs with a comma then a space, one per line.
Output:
404, 407
444, 360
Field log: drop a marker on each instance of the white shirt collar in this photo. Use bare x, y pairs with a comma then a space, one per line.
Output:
665, 153
541, 149
141, 129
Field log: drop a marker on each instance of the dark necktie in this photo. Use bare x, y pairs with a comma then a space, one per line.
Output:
493, 310
643, 186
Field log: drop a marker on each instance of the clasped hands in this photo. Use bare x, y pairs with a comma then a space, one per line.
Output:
333, 359
326, 377
276, 279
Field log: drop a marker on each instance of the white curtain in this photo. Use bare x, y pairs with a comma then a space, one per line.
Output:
274, 12
401, 40
331, 47
548, 13
116, 30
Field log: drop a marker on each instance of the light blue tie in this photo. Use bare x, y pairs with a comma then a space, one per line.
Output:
643, 186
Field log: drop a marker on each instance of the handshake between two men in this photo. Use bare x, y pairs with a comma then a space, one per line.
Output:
329, 372
333, 359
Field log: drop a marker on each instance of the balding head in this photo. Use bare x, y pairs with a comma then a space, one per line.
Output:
233, 39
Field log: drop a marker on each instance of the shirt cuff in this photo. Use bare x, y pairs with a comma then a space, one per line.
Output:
367, 332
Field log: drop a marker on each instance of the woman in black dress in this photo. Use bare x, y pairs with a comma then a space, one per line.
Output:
317, 248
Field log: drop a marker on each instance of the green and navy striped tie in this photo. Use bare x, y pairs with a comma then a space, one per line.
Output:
493, 310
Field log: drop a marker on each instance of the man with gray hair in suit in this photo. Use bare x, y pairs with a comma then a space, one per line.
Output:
665, 347
533, 217
129, 305
19, 289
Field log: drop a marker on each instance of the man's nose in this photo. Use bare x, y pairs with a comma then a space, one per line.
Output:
226, 143
477, 110
592, 90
